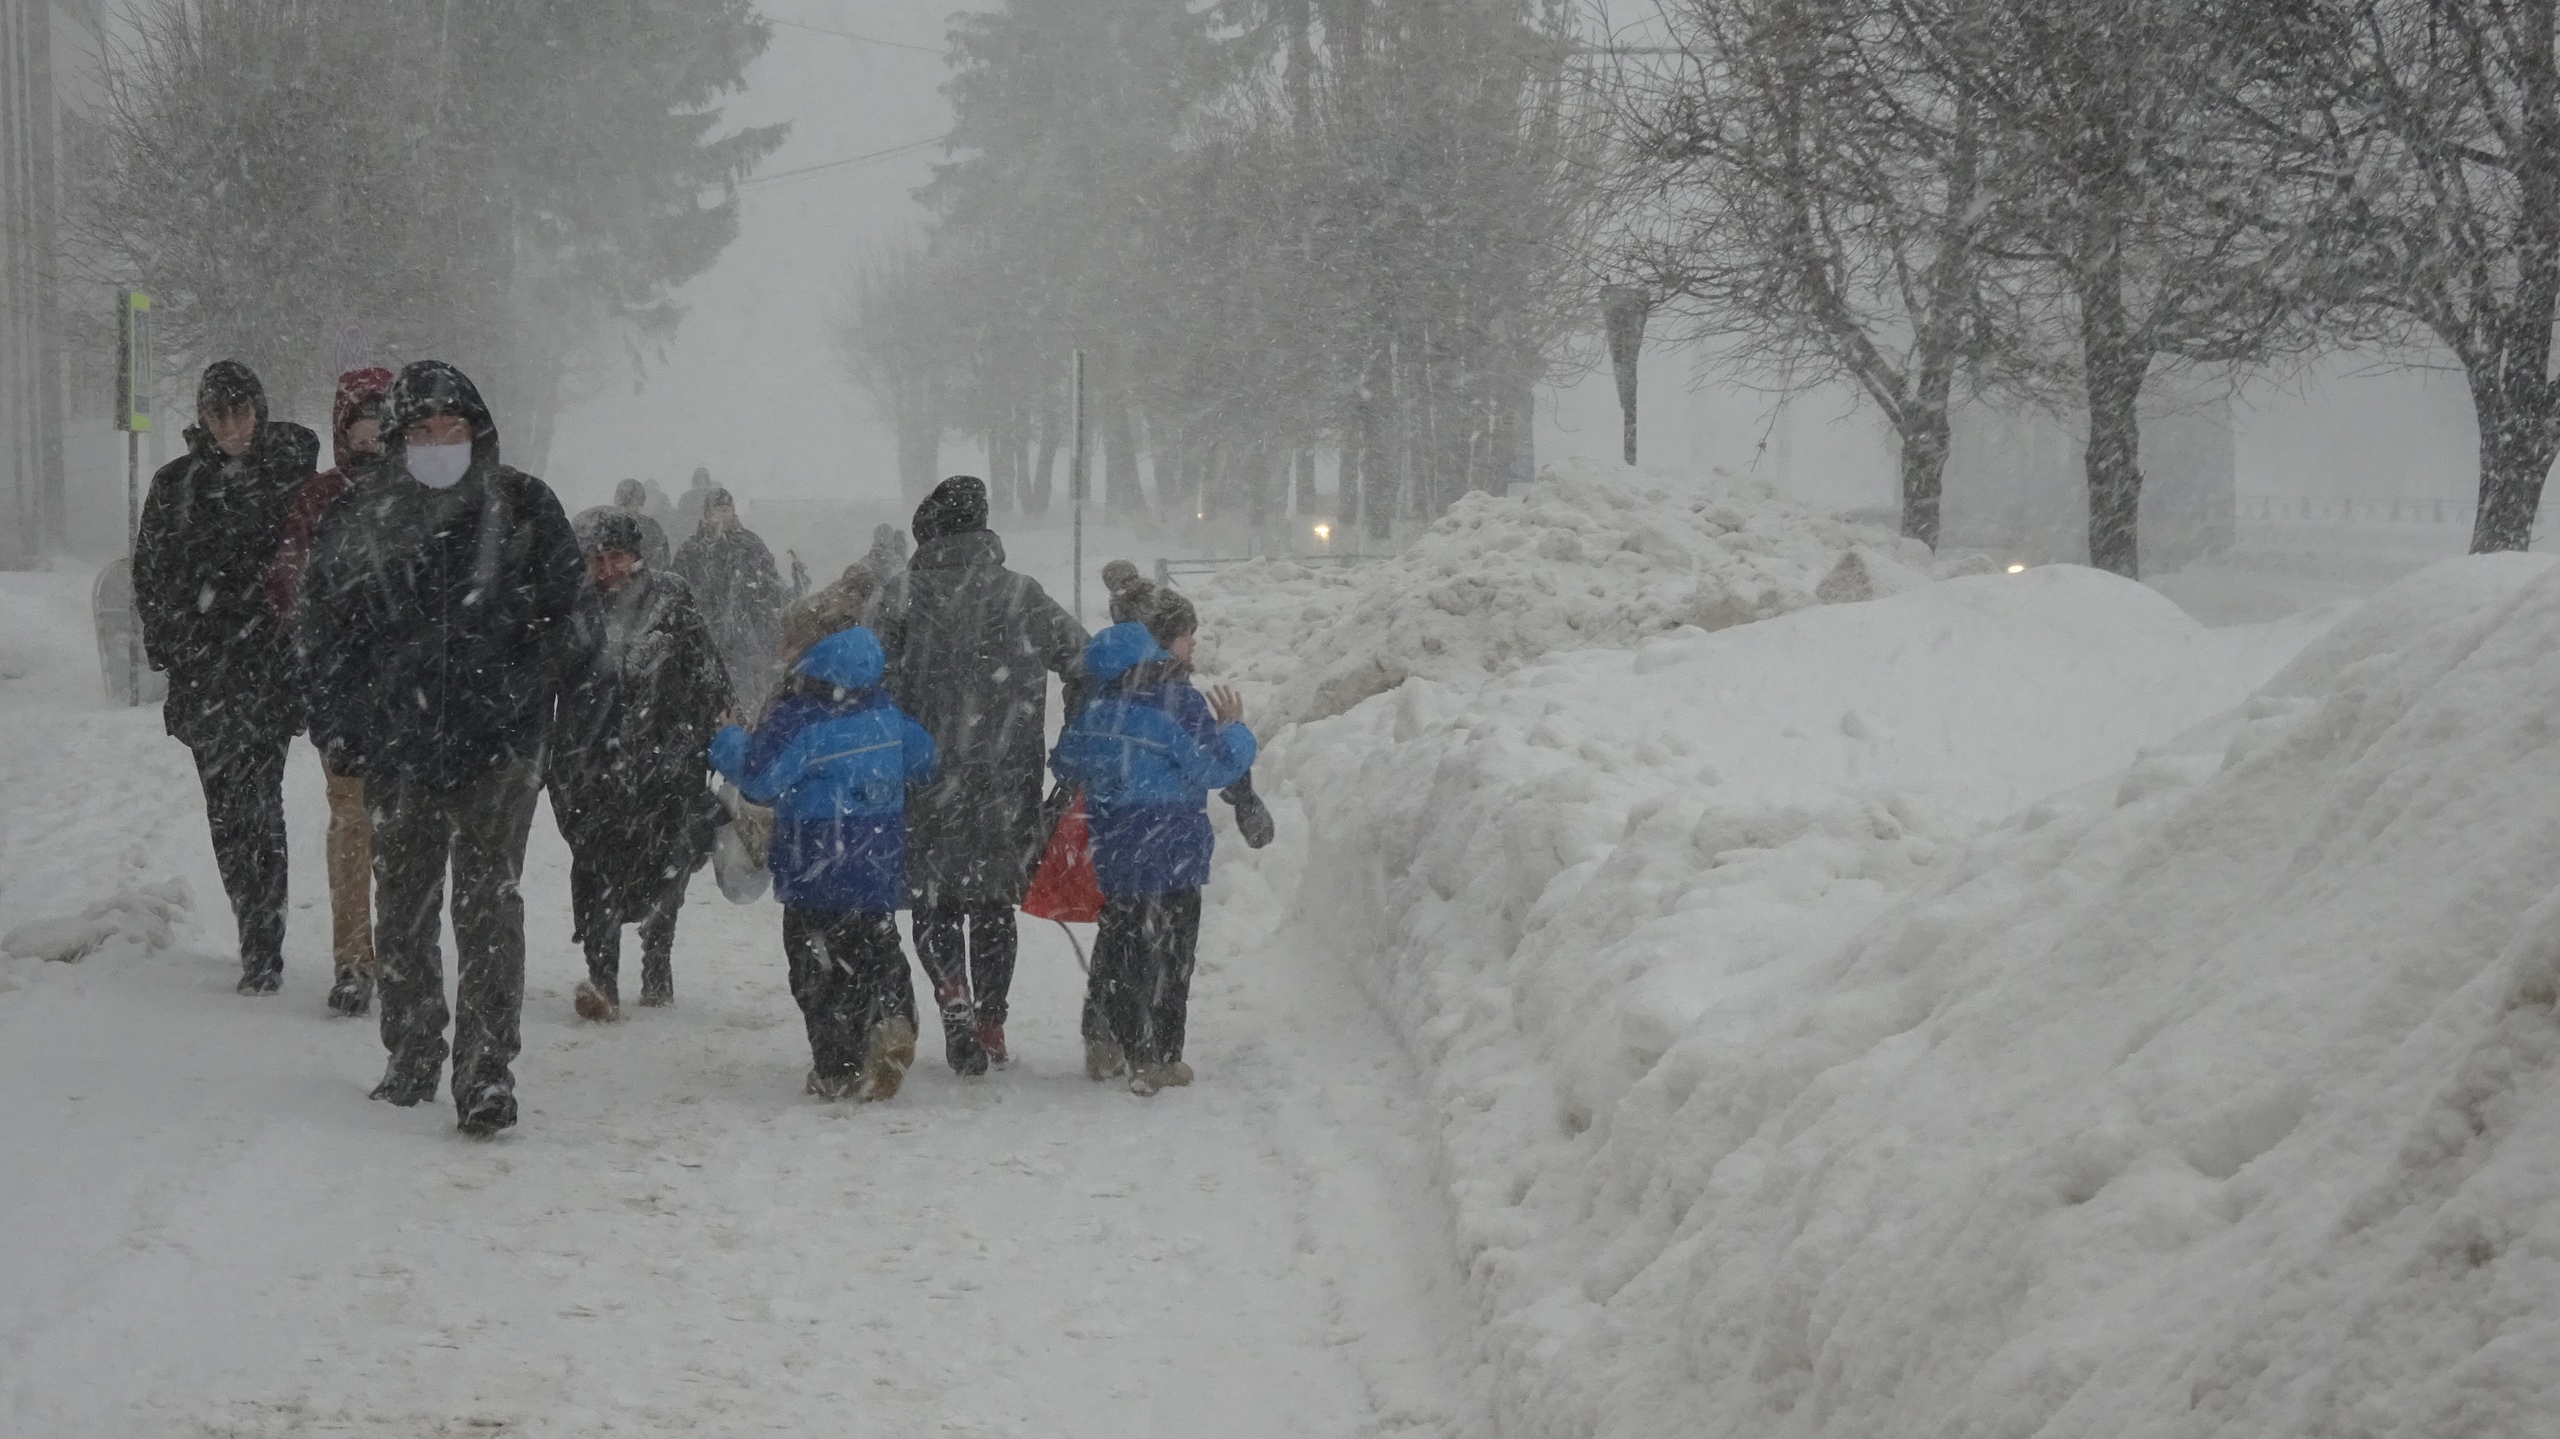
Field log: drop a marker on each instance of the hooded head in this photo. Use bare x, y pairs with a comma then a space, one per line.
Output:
631, 495
427, 388
848, 659
228, 385
612, 530
957, 506
1120, 649
362, 395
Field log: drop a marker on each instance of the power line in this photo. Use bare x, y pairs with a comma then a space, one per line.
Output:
849, 35
847, 160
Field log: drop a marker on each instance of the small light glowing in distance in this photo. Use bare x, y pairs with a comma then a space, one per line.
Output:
1324, 532
2017, 569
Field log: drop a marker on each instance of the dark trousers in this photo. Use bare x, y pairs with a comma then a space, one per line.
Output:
243, 784
972, 969
480, 830
848, 974
600, 907
1139, 990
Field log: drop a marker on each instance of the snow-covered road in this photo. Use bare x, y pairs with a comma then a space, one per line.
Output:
208, 1229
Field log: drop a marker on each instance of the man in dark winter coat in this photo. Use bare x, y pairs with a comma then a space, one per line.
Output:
359, 414
628, 760
209, 533
740, 593
436, 629
971, 646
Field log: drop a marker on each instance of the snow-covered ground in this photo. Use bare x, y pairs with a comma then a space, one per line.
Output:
1686, 998
209, 1230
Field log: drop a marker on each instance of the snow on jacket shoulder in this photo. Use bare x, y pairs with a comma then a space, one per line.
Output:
1146, 752
835, 767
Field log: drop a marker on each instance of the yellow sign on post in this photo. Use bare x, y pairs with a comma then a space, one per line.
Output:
133, 361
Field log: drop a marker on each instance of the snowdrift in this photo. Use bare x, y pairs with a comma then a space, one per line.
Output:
1590, 555
2212, 1090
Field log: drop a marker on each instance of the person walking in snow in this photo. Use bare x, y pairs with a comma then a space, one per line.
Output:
888, 553
836, 759
209, 535
1146, 750
738, 590
1134, 597
690, 505
632, 498
438, 612
357, 417
627, 762
970, 646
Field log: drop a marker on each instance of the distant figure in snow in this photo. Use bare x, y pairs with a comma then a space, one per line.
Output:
836, 605
836, 759
689, 506
739, 591
627, 762
632, 498
438, 612
888, 553
1146, 750
970, 646
1136, 598
209, 536
358, 415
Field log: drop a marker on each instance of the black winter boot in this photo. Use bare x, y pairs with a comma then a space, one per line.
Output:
352, 994
260, 977
960, 1030
408, 1085
488, 1112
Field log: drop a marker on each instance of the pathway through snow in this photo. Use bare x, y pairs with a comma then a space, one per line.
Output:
210, 1229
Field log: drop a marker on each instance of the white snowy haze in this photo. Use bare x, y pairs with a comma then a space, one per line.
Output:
753, 386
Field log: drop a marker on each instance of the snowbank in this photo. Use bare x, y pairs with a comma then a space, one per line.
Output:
2215, 1089
1590, 555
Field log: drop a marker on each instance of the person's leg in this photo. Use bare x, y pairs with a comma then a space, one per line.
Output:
1118, 959
994, 943
884, 1004
941, 946
412, 832
350, 852
1173, 942
599, 930
243, 784
658, 943
836, 1027
804, 950
491, 822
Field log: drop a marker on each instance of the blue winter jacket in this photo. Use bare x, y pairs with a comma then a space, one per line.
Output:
835, 767
1146, 753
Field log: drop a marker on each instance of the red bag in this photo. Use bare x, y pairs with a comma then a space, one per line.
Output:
1064, 888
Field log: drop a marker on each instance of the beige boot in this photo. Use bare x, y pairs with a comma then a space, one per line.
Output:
887, 1052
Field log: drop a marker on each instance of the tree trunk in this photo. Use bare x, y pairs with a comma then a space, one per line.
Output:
1926, 436
1035, 496
2113, 362
2516, 449
919, 454
1122, 499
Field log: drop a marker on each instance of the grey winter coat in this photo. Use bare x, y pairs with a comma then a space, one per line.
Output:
971, 646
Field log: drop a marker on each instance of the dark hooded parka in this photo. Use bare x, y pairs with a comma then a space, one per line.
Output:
740, 592
210, 531
436, 622
632, 748
971, 645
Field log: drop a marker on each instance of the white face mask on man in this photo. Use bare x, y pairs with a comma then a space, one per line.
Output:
439, 467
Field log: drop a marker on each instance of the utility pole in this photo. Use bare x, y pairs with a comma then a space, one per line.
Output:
133, 416
1076, 471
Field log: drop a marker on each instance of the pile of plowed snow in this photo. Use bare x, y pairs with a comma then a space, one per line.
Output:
1590, 555
2215, 1090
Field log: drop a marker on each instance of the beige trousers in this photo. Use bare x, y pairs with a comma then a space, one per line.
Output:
350, 876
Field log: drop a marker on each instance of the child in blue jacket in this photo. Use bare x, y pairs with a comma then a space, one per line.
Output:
834, 759
1146, 749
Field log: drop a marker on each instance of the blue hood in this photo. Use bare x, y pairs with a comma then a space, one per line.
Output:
848, 659
1120, 649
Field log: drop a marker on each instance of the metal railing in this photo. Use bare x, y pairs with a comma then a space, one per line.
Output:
1168, 570
2350, 510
